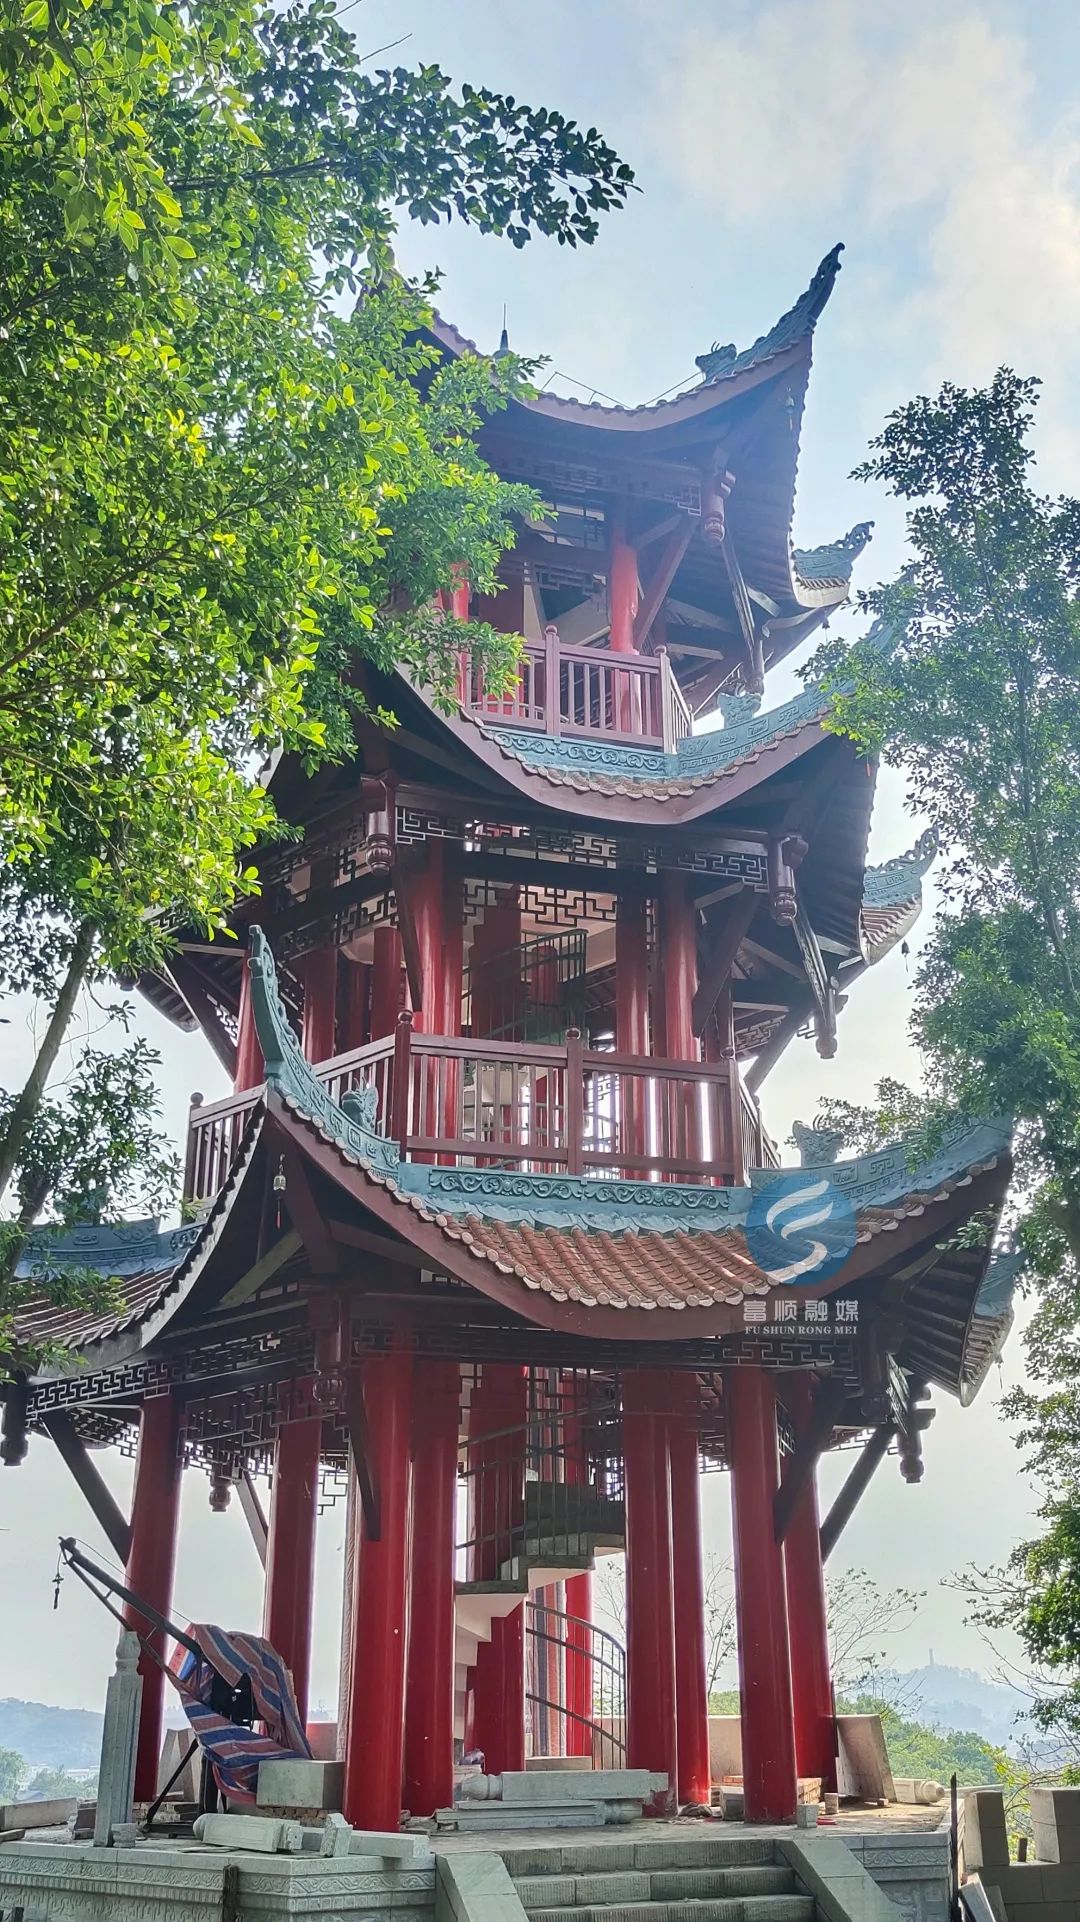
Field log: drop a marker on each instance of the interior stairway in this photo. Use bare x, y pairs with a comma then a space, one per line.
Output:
564, 1531
727, 1880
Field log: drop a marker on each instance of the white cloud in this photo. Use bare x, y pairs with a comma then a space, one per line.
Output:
905, 126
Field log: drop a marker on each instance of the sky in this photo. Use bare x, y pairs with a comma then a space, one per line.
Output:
941, 142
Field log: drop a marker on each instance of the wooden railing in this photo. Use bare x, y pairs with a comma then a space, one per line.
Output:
542, 1109
588, 693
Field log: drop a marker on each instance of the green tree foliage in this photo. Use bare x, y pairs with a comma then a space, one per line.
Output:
94, 1152
56, 1785
979, 703
932, 1753
12, 1769
210, 479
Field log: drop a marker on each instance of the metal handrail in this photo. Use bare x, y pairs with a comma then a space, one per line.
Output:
583, 1660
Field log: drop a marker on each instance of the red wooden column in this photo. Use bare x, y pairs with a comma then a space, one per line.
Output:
290, 1554
155, 1515
678, 977
632, 1011
499, 1409
320, 1004
651, 1738
624, 593
385, 982
374, 1744
811, 1670
249, 1070
578, 1594
691, 1688
768, 1738
429, 1698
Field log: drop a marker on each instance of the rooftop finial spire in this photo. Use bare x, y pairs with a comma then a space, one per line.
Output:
504, 338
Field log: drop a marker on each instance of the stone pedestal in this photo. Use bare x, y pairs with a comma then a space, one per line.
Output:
119, 1742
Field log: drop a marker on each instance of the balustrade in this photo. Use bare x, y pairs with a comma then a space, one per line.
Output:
529, 1106
585, 693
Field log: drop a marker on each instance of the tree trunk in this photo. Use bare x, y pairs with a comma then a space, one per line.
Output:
24, 1112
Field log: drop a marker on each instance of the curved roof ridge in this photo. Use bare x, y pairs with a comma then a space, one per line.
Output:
722, 363
717, 365
833, 560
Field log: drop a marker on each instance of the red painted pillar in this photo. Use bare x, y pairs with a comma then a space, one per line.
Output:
429, 1699
768, 1738
497, 990
811, 1671
578, 1591
385, 982
691, 1688
632, 1015
290, 1555
375, 1741
155, 1514
499, 1409
678, 976
651, 1739
623, 589
319, 1030
249, 1071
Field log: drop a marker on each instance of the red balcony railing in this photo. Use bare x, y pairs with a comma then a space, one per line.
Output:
588, 693
538, 1108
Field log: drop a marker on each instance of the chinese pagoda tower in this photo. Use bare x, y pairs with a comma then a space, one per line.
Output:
481, 1240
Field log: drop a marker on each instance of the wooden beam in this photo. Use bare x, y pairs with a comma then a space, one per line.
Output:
822, 992
755, 660
249, 1284
801, 1464
252, 1510
769, 1055
399, 1252
191, 988
360, 1445
307, 1217
400, 877
665, 571
720, 960
73, 1452
855, 1487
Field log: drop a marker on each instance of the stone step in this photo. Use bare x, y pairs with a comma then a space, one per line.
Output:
544, 1892
735, 1908
679, 1852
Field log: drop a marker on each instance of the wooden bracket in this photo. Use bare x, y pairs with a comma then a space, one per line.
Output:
252, 1510
360, 1444
809, 1444
854, 1488
822, 989
307, 1217
191, 988
664, 573
719, 961
74, 1454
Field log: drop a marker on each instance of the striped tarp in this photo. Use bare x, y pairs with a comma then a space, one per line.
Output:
235, 1752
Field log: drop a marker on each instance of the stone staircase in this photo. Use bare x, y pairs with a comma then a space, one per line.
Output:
726, 1880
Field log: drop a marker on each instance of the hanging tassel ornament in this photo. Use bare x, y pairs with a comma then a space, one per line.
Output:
279, 1189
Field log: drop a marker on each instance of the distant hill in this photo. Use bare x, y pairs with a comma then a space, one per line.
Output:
51, 1737
947, 1697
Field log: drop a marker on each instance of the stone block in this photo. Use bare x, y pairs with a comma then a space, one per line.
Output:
37, 1815
620, 1885
545, 1891
693, 1885
300, 1784
717, 1852
583, 1858
831, 1874
593, 1785
475, 1888
1055, 1820
985, 1842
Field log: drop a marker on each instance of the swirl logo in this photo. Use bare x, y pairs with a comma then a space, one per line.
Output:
799, 1228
